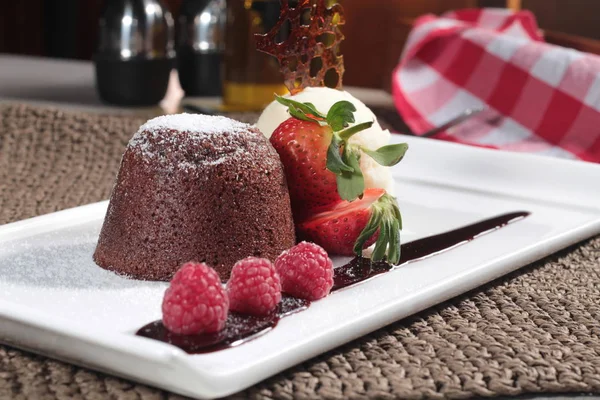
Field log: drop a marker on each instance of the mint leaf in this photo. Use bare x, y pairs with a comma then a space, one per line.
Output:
334, 160
388, 155
351, 185
340, 115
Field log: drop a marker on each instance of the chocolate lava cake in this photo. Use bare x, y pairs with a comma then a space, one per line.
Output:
195, 188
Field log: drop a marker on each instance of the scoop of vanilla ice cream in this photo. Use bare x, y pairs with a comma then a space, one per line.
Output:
376, 176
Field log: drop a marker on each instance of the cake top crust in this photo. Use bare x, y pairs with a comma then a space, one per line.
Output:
193, 123
193, 140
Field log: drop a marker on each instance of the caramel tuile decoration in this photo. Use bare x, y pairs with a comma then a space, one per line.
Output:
305, 43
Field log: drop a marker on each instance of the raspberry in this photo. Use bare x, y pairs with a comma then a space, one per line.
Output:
195, 301
254, 287
306, 271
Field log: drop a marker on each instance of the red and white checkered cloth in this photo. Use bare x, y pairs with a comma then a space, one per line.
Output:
542, 98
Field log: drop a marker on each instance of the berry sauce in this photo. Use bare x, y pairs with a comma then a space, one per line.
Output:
241, 328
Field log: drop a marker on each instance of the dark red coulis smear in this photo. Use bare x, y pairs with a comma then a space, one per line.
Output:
241, 328
360, 269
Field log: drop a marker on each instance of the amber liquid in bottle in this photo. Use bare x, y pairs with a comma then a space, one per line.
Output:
250, 77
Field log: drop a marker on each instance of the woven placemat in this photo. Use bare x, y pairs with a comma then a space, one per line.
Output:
534, 331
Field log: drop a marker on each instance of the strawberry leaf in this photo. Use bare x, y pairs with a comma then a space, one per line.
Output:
334, 160
394, 245
314, 111
340, 115
397, 215
348, 133
350, 185
296, 113
382, 241
306, 108
367, 232
314, 108
388, 155
385, 217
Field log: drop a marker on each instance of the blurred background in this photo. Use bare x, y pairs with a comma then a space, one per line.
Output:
375, 30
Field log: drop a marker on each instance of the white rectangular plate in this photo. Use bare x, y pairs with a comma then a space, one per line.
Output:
54, 300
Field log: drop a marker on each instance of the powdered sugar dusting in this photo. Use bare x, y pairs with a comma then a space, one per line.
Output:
187, 140
54, 273
193, 123
172, 130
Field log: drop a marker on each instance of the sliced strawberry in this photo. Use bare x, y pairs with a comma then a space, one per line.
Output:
349, 227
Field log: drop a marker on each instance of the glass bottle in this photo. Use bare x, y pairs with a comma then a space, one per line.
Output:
250, 77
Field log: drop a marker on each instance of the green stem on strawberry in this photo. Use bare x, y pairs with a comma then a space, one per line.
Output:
385, 218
